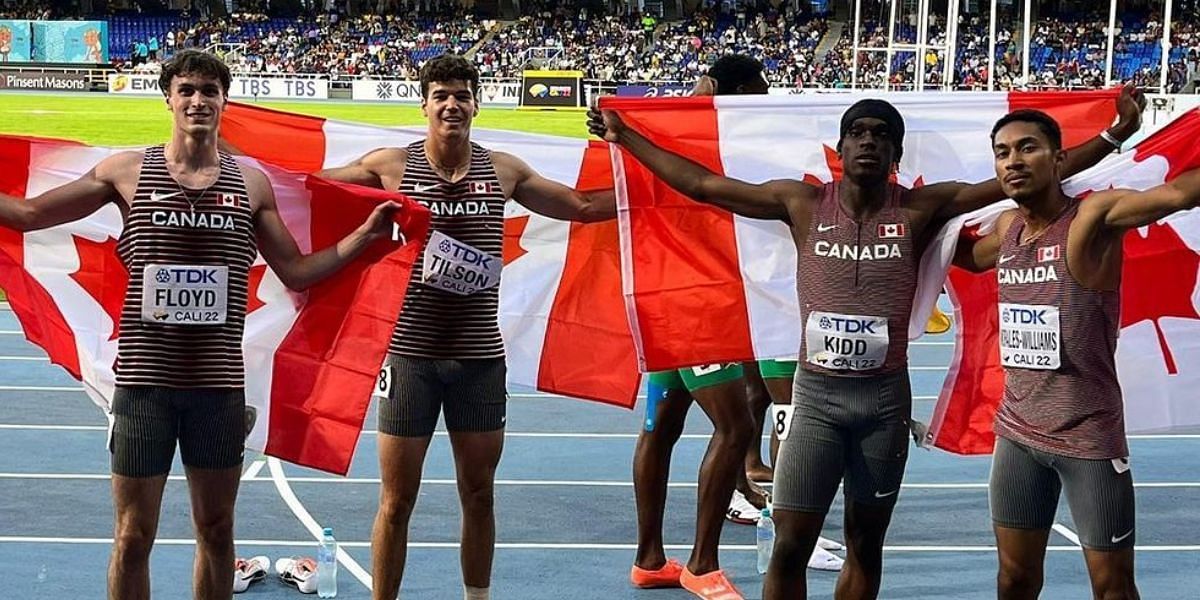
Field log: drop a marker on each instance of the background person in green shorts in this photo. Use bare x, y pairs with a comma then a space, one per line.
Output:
720, 392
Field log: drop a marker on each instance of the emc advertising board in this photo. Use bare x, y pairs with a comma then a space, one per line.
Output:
552, 89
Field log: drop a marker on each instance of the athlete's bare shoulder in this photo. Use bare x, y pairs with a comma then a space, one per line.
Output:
258, 186
121, 171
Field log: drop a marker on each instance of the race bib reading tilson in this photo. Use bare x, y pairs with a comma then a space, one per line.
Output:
458, 268
185, 294
846, 342
1029, 336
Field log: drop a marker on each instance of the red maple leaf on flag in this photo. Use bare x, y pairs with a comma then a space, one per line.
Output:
1158, 279
514, 228
253, 281
102, 275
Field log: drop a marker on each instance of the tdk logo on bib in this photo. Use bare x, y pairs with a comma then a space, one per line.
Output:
849, 325
1024, 316
187, 275
458, 268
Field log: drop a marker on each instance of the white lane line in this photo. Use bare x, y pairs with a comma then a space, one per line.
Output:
11, 332
40, 388
1067, 533
543, 434
25, 358
17, 539
255, 468
252, 475
289, 497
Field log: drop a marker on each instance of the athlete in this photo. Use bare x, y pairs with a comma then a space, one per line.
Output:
194, 221
857, 243
446, 354
1061, 426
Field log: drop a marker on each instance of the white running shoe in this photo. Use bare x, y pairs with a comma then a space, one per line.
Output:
823, 560
300, 571
249, 570
828, 544
741, 511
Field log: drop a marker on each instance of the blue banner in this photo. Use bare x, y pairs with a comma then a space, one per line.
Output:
654, 91
70, 42
14, 41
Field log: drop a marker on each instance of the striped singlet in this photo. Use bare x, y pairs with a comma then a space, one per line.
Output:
852, 275
164, 228
1075, 409
439, 324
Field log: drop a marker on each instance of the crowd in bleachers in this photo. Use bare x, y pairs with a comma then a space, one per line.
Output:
798, 48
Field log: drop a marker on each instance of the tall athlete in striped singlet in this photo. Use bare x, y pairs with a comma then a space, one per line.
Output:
446, 354
858, 241
1061, 425
194, 221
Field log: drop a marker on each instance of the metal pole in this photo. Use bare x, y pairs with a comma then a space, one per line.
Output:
922, 41
1025, 57
991, 62
951, 46
1112, 36
854, 60
891, 41
1166, 48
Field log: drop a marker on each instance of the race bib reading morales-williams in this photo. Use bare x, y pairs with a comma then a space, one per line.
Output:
185, 294
1030, 336
846, 342
458, 268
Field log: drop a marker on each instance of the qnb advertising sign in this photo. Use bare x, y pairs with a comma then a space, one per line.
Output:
490, 93
552, 89
240, 87
58, 82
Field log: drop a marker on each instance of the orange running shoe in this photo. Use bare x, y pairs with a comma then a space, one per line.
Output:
710, 586
665, 577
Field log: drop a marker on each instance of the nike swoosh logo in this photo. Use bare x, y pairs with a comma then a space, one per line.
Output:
424, 188
155, 196
824, 228
878, 495
1004, 259
1117, 540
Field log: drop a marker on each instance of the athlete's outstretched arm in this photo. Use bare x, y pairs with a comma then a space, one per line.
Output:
1126, 209
764, 201
370, 170
299, 271
980, 255
74, 200
954, 198
551, 198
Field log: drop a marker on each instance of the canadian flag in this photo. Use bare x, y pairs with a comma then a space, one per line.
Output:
703, 285
1049, 253
891, 230
311, 358
1158, 352
561, 310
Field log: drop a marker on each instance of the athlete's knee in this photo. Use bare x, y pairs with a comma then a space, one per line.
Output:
133, 542
215, 530
478, 497
1018, 580
734, 431
1114, 582
396, 505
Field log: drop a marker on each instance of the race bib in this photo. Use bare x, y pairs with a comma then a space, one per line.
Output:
1029, 336
185, 294
383, 383
781, 420
846, 342
458, 268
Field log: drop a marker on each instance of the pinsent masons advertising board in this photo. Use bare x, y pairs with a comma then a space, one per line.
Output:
499, 93
240, 87
57, 82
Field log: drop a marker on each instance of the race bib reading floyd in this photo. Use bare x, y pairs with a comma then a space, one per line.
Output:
846, 342
185, 294
1029, 336
458, 268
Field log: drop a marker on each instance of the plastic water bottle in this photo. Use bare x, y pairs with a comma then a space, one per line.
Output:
766, 539
327, 565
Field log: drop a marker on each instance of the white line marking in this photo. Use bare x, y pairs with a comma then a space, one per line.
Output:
12, 332
252, 475
1067, 533
289, 497
255, 468
39, 388
543, 434
25, 358
932, 343
17, 539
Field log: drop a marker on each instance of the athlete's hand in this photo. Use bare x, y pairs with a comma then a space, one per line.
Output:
605, 125
705, 86
379, 225
1130, 105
